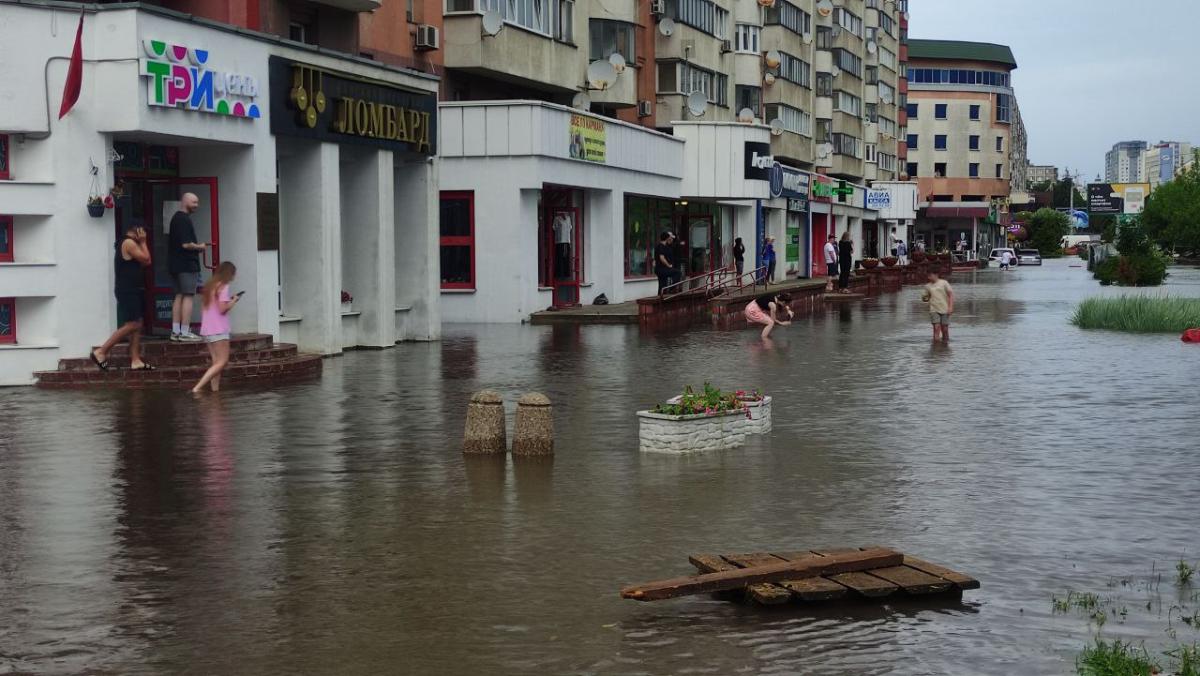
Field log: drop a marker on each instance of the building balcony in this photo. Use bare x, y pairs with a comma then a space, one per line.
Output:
793, 149
956, 187
846, 167
621, 94
352, 5
513, 55
694, 46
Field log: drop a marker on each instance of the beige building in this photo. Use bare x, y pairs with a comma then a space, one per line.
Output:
1161, 161
1040, 173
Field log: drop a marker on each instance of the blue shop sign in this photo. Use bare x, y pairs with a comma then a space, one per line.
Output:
794, 183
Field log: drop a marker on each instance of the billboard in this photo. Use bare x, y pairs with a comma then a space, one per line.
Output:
1117, 198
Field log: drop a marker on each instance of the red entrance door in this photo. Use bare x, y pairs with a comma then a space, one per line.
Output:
562, 244
152, 203
821, 230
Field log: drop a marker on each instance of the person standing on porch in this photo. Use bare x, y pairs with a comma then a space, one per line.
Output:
664, 261
845, 261
214, 323
769, 260
183, 263
831, 261
901, 253
739, 257
131, 258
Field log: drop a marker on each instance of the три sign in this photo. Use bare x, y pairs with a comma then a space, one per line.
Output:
178, 78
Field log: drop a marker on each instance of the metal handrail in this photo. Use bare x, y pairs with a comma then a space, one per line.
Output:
718, 280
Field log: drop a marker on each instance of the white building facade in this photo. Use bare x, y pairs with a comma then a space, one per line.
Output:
315, 173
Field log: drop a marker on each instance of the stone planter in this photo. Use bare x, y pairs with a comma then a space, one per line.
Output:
760, 416
678, 434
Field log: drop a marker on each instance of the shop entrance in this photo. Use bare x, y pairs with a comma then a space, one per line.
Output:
152, 202
560, 243
822, 228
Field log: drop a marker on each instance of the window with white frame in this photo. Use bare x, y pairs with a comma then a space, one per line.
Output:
887, 58
794, 119
791, 17
721, 25
541, 16
795, 70
872, 74
887, 24
693, 79
845, 144
869, 152
872, 111
887, 127
848, 62
847, 103
607, 37
824, 84
824, 130
886, 91
842, 17
746, 38
700, 14
886, 162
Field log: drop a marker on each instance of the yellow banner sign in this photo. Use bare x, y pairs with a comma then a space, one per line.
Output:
587, 139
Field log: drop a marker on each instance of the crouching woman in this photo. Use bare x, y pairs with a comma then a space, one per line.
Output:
768, 310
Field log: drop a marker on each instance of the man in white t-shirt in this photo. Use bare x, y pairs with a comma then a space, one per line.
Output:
831, 261
1006, 260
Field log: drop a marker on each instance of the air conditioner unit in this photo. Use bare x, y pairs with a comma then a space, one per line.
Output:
645, 108
658, 7
427, 38
726, 46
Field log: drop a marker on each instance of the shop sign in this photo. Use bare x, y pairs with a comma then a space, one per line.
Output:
315, 103
587, 138
821, 189
794, 183
797, 204
879, 200
757, 161
178, 77
1117, 198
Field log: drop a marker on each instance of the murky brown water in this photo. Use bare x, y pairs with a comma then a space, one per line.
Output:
335, 527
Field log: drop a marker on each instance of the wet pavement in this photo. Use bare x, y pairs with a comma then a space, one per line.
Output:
334, 527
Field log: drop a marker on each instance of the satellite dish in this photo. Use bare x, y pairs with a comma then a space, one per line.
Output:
886, 97
872, 47
808, 38
618, 62
777, 127
697, 104
825, 8
766, 3
769, 79
492, 23
745, 116
835, 71
773, 58
582, 101
666, 27
601, 74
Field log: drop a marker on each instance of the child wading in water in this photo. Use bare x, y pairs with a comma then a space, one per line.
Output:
940, 296
214, 323
766, 310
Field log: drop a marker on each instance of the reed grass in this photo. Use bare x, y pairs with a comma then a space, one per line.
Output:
1138, 314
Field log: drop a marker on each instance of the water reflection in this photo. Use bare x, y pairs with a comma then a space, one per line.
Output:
336, 527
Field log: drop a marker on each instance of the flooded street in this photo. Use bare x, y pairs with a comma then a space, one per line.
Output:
335, 527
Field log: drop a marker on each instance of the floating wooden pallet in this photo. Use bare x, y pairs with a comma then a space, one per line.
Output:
913, 577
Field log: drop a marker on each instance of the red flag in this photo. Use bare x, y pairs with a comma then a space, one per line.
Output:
74, 72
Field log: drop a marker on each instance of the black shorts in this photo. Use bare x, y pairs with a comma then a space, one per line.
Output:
831, 269
130, 306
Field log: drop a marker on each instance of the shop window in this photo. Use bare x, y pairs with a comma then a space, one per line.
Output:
6, 239
4, 157
457, 225
608, 37
8, 320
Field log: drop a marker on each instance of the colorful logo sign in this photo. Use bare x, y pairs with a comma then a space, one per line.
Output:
178, 78
821, 189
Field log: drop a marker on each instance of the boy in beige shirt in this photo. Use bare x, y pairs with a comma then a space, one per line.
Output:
940, 296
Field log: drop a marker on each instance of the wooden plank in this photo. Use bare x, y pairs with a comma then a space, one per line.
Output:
913, 581
766, 593
813, 588
784, 570
710, 563
961, 581
863, 583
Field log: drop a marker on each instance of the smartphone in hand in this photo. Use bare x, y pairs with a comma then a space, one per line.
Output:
239, 294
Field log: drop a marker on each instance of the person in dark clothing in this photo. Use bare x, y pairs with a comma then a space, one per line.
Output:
769, 260
845, 262
768, 309
132, 255
739, 257
183, 263
664, 260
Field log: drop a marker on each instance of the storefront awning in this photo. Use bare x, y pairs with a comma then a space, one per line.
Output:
950, 210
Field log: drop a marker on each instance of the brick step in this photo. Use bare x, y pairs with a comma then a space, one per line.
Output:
154, 347
288, 369
185, 358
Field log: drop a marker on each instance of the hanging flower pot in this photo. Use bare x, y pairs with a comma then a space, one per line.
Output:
95, 206
870, 263
889, 261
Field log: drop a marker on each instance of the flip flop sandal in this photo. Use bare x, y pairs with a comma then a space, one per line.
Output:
102, 365
144, 367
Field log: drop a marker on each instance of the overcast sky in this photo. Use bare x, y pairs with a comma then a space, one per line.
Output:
1089, 72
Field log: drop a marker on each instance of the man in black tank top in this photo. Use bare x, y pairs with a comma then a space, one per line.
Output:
131, 258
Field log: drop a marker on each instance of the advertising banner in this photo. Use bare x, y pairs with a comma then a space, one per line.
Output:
588, 139
879, 200
1117, 198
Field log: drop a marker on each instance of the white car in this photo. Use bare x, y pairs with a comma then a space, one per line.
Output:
1029, 257
997, 253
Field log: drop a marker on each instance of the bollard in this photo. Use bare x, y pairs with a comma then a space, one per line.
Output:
485, 424
534, 433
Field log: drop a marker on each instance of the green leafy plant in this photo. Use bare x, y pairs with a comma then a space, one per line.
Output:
1047, 228
1115, 658
1184, 572
711, 401
1138, 314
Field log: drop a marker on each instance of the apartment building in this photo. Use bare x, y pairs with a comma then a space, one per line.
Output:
1036, 174
1123, 163
1160, 162
966, 141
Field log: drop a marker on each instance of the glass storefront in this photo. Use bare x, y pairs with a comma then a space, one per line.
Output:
703, 230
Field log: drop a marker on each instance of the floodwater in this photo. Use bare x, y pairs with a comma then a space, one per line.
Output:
335, 527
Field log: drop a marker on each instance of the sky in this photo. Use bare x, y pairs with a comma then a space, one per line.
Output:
1089, 72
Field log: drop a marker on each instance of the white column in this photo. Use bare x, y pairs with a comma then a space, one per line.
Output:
368, 241
417, 255
310, 242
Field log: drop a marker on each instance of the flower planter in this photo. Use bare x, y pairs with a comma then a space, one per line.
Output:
760, 415
870, 263
890, 262
95, 210
679, 434
347, 307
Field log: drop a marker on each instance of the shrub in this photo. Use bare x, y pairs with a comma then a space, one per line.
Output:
1145, 268
1047, 228
1138, 314
1115, 659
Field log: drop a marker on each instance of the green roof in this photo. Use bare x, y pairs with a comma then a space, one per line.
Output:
959, 50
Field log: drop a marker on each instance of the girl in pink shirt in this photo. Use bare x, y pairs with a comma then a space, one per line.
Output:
214, 323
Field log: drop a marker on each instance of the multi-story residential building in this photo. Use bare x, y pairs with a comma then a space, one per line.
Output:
1123, 163
1037, 174
315, 168
966, 141
1161, 161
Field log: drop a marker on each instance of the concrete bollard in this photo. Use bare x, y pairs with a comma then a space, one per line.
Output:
485, 424
534, 433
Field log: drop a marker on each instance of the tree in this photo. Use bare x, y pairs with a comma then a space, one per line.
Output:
1062, 195
1047, 228
1171, 215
